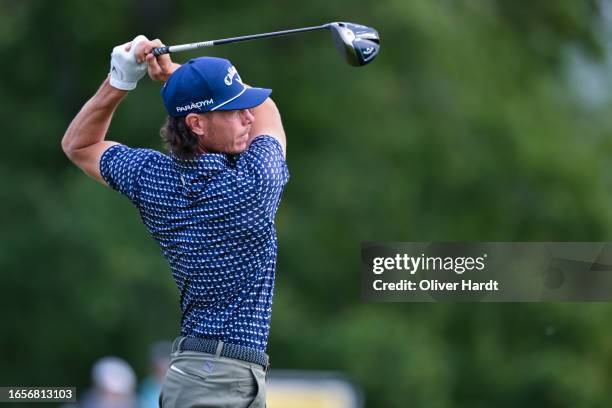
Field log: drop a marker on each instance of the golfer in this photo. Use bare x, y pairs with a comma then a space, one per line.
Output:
210, 204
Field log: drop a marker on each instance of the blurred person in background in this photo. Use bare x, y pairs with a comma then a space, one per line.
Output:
114, 385
150, 387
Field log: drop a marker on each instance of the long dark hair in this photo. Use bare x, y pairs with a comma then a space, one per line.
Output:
179, 139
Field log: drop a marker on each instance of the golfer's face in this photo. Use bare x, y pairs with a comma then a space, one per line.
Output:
229, 131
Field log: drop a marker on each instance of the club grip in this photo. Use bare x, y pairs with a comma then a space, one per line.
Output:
160, 51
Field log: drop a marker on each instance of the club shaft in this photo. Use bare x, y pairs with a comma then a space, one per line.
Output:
211, 43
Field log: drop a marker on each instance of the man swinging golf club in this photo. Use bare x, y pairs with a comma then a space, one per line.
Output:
210, 204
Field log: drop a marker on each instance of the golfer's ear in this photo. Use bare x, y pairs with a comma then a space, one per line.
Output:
196, 122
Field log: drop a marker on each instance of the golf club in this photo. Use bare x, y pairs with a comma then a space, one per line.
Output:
357, 43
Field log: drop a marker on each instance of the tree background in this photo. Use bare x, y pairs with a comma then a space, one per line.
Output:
481, 120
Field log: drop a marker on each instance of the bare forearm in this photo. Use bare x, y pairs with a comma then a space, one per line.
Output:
91, 123
173, 67
268, 122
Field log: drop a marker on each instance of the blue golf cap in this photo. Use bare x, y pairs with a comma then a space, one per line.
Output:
208, 84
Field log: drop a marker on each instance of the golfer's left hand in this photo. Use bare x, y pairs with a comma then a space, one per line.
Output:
126, 71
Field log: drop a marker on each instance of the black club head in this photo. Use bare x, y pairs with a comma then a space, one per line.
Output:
358, 44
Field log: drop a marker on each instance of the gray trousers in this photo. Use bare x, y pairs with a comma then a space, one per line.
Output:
201, 380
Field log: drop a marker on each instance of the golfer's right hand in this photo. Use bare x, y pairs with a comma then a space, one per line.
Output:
159, 67
125, 70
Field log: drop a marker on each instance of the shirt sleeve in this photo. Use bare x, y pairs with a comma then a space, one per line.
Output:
121, 167
264, 158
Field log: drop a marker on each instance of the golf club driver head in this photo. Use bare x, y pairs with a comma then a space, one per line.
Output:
358, 44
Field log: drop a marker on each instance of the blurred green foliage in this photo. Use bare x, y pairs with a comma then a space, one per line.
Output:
464, 128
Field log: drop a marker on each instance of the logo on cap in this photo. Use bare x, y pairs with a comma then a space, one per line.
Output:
231, 73
195, 105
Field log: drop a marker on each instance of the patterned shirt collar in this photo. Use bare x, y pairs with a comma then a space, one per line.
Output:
209, 162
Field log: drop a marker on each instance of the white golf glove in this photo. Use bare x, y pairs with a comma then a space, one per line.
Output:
124, 70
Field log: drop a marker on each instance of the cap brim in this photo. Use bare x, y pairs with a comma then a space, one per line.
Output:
250, 98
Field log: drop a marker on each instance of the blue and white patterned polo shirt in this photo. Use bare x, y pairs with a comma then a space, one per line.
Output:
213, 218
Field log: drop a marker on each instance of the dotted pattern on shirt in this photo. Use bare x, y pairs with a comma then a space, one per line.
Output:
213, 218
